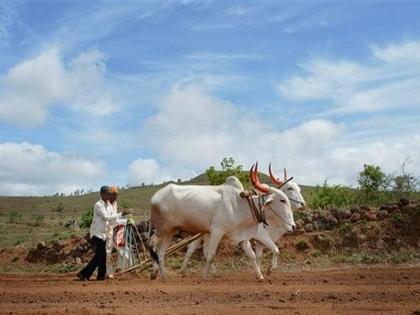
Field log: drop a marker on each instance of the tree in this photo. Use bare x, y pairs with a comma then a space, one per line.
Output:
404, 183
372, 180
228, 169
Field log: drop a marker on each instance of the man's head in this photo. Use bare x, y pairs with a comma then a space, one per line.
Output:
104, 191
113, 193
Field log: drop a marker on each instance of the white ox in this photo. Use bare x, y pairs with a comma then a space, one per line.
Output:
274, 230
217, 211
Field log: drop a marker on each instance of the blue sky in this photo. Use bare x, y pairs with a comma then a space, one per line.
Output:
131, 92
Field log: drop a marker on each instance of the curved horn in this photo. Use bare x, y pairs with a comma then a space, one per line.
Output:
285, 173
256, 181
251, 175
273, 179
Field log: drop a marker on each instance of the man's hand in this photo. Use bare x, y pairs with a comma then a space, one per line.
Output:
130, 220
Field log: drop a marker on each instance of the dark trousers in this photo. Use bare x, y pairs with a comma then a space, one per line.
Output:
99, 260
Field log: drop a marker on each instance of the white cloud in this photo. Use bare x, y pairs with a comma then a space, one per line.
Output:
145, 171
30, 169
193, 129
391, 81
29, 89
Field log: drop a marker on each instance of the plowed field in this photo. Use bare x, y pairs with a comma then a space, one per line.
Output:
356, 290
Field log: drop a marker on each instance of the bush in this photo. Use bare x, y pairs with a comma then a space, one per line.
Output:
37, 219
326, 196
15, 217
228, 169
59, 208
86, 218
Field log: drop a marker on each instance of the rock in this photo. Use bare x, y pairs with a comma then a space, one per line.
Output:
40, 245
319, 225
355, 209
383, 214
295, 232
309, 227
332, 220
308, 218
366, 208
408, 208
404, 201
355, 217
369, 216
346, 214
299, 224
315, 216
78, 260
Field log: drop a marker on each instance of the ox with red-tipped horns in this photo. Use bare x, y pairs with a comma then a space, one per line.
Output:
275, 231
217, 211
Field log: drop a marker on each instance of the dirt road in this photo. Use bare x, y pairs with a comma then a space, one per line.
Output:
377, 290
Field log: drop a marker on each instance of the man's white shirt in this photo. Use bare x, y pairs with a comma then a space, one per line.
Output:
105, 217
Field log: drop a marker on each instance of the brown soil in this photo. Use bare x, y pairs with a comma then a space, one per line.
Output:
357, 290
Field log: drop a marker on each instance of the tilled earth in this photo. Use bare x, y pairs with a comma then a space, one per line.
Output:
356, 290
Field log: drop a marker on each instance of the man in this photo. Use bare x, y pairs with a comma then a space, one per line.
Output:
102, 217
113, 194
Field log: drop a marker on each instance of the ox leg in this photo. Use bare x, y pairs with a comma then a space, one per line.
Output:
259, 252
268, 242
214, 241
157, 242
213, 268
246, 246
166, 240
190, 250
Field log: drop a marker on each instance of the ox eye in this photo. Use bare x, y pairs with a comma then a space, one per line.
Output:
290, 188
283, 201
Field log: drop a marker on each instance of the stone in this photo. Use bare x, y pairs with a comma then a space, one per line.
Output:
355, 209
309, 227
332, 220
355, 217
404, 201
40, 245
346, 214
369, 216
295, 232
299, 224
383, 214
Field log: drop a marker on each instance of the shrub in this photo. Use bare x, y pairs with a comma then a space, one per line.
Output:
15, 217
37, 219
228, 169
302, 245
86, 218
59, 208
326, 196
20, 239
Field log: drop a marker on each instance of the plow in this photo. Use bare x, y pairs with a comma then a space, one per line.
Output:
134, 253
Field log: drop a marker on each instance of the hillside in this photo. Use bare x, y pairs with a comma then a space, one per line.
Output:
28, 220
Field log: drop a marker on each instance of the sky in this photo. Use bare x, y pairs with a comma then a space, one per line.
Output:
131, 92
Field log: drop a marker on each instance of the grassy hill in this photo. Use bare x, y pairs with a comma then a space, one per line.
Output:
28, 220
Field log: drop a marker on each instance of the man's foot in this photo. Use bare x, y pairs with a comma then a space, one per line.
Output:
81, 277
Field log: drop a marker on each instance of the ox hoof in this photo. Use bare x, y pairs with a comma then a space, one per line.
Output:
153, 275
259, 279
269, 271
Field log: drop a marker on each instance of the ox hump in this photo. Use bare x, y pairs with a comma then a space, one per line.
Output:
234, 181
